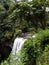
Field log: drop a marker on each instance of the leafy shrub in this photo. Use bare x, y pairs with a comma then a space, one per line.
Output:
44, 58
34, 49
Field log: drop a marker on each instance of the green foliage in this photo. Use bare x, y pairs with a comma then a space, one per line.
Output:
2, 12
35, 50
16, 18
20, 16
31, 14
4, 1
44, 58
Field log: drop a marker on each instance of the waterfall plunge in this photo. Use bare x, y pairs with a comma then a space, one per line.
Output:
18, 44
17, 47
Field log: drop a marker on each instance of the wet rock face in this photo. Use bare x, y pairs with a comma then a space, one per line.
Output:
4, 52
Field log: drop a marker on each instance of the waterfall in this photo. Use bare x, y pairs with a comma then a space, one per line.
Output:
18, 44
16, 50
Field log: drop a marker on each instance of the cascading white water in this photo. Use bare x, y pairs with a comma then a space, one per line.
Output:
17, 47
18, 44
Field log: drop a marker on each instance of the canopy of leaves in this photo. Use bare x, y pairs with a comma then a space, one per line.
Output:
20, 16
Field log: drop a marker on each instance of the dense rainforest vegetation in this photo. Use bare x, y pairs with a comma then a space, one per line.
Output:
22, 17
